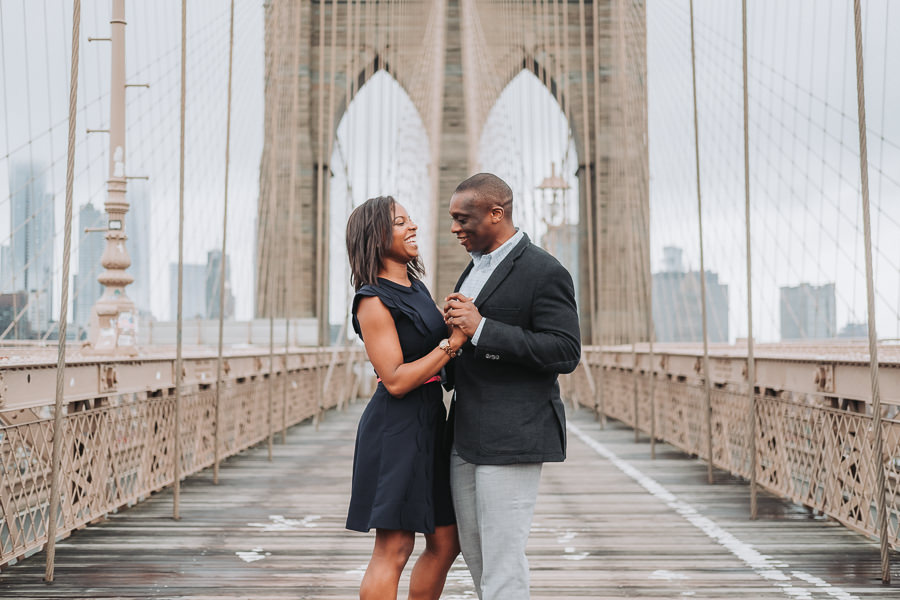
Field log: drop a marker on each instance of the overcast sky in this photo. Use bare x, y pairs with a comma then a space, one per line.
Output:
804, 146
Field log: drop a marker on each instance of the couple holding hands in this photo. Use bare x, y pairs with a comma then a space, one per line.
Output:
468, 481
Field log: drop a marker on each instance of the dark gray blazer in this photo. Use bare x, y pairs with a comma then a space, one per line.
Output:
507, 407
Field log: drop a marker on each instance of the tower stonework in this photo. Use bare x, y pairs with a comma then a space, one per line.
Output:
454, 58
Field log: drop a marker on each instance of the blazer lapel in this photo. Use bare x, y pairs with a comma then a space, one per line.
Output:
501, 271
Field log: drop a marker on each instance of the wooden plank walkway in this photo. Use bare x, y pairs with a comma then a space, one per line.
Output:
610, 523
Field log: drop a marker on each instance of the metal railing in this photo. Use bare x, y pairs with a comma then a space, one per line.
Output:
815, 449
119, 447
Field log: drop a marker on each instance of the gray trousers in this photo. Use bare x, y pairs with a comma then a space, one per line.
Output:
494, 506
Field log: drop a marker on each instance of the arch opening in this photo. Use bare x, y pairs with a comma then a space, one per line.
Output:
380, 149
528, 142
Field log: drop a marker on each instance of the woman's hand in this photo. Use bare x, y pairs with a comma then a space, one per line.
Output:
457, 338
460, 311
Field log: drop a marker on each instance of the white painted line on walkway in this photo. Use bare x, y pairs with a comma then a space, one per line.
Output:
762, 565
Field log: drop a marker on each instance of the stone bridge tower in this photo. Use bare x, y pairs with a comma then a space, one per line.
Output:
454, 58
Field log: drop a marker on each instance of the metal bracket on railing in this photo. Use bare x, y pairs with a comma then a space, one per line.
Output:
109, 379
824, 378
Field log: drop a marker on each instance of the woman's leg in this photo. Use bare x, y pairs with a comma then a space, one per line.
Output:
430, 571
392, 550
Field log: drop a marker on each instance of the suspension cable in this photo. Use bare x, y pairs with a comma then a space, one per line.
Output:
702, 274
179, 375
877, 450
751, 362
58, 433
222, 258
595, 231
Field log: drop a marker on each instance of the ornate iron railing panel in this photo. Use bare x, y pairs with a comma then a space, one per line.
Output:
815, 448
118, 448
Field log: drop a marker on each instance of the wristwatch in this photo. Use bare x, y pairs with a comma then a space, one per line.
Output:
445, 346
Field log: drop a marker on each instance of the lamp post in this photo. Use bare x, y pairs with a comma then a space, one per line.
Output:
555, 184
113, 328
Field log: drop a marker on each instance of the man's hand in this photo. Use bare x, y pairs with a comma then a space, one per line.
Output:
460, 312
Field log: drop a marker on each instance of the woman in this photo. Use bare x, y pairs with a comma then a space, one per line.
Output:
401, 481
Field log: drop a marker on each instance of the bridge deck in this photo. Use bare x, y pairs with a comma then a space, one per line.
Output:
610, 523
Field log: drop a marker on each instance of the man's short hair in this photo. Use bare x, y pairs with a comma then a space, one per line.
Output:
487, 187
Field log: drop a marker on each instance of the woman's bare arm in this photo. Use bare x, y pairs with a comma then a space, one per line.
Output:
383, 348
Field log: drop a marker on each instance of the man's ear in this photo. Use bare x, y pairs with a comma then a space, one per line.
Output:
497, 214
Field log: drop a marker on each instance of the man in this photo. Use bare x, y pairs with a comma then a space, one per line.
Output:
516, 303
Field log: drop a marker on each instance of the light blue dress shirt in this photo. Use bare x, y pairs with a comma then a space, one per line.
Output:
484, 266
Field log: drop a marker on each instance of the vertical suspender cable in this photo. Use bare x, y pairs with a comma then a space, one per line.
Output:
272, 222
877, 450
644, 213
288, 265
751, 361
618, 181
265, 178
706, 381
629, 199
179, 319
633, 198
645, 223
55, 486
595, 254
320, 217
618, 166
329, 147
218, 412
271, 295
272, 225
593, 295
585, 115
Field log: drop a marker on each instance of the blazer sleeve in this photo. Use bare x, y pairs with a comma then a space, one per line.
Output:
554, 341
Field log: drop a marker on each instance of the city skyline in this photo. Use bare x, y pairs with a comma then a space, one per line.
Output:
805, 226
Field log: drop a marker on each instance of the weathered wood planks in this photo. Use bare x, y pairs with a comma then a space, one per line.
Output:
275, 530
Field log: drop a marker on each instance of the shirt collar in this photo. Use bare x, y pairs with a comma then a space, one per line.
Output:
499, 253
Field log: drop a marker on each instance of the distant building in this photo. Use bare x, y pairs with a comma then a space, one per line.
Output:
87, 290
677, 308
193, 299
213, 285
10, 306
29, 266
854, 330
672, 262
807, 312
562, 242
6, 269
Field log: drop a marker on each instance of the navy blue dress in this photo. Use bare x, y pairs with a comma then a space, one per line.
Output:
401, 463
